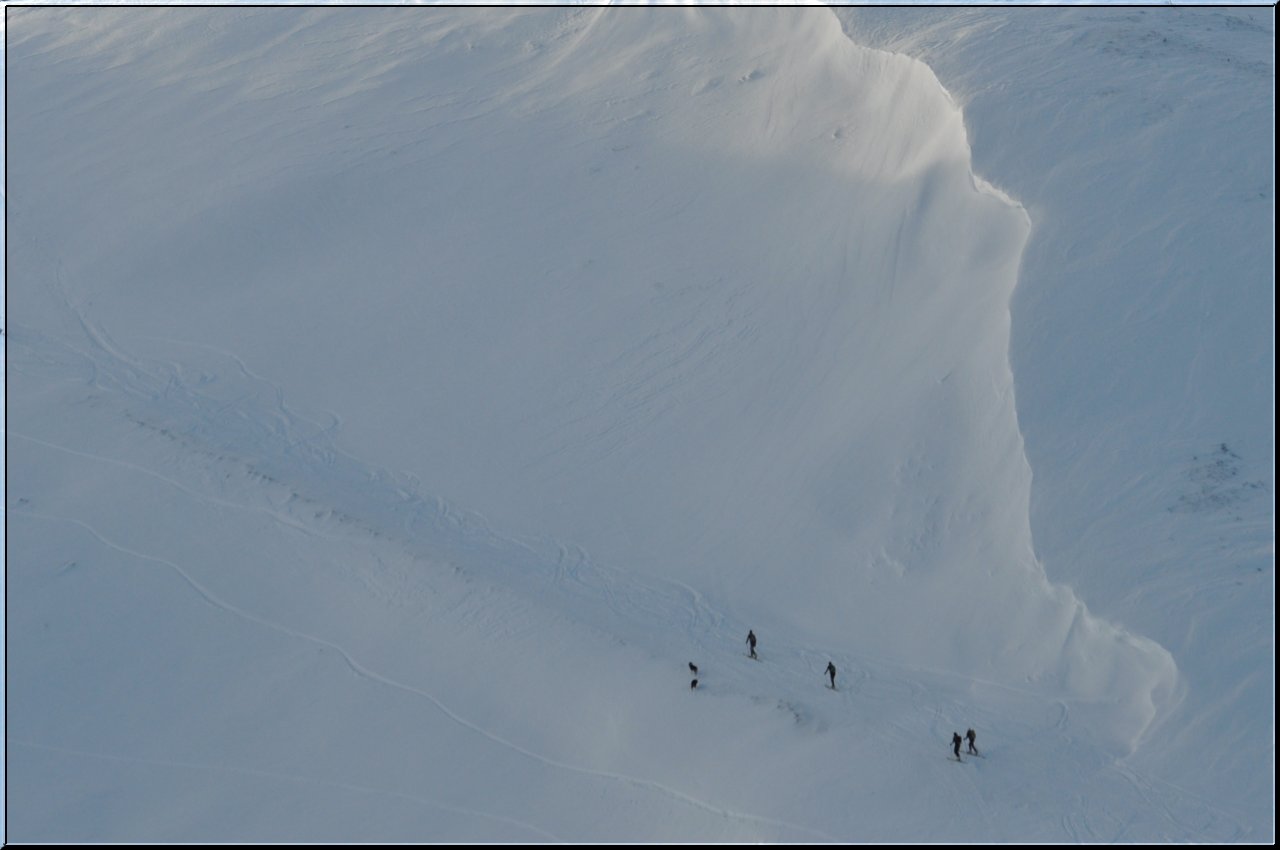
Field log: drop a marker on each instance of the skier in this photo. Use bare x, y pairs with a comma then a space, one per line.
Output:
955, 745
693, 668
693, 686
751, 641
972, 736
831, 671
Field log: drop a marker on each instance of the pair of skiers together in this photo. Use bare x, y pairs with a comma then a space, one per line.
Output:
955, 743
751, 642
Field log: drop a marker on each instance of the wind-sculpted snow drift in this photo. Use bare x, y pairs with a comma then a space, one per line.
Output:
715, 299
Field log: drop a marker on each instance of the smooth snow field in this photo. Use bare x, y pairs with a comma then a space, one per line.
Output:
400, 399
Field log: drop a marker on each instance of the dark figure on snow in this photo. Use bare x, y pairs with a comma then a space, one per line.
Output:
972, 736
751, 642
831, 671
955, 745
693, 685
693, 668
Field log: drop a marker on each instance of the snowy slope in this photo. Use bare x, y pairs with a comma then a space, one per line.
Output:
1143, 341
400, 398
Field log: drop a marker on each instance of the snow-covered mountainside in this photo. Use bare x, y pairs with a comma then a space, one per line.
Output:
1143, 337
400, 399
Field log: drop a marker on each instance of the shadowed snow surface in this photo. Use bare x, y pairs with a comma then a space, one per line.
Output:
399, 399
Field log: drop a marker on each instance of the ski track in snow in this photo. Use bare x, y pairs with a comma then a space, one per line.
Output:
1145, 789
279, 517
574, 566
682, 606
649, 604
377, 678
291, 777
147, 384
637, 600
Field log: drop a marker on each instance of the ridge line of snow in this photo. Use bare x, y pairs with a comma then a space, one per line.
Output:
1162, 708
